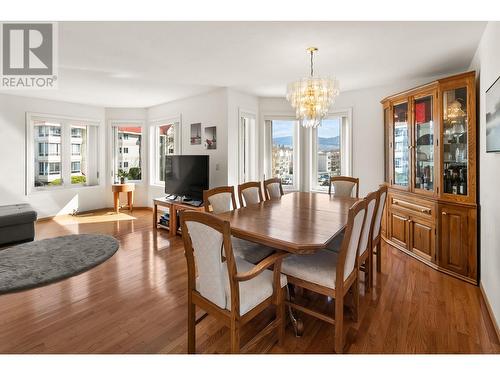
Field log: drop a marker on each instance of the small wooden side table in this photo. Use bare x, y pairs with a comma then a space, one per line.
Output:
174, 207
123, 188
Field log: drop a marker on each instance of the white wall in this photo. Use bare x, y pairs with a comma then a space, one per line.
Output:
141, 194
211, 110
486, 62
367, 127
13, 150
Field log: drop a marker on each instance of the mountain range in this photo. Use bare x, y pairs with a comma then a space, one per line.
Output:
324, 143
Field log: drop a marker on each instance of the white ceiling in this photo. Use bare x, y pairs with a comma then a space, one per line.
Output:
139, 64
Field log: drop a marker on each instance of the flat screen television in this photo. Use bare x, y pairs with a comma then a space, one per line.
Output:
186, 176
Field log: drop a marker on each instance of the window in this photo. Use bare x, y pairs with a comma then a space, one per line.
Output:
43, 149
167, 142
55, 168
76, 132
47, 156
330, 150
127, 146
283, 148
42, 168
46, 149
65, 152
248, 148
305, 158
75, 148
75, 167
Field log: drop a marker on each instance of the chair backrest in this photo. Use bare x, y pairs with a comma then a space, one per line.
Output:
221, 199
208, 249
348, 255
273, 188
343, 186
377, 225
371, 208
250, 193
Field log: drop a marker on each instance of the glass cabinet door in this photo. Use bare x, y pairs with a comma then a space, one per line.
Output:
455, 153
401, 153
424, 144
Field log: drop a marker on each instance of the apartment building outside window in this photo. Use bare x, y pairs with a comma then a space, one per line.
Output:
127, 150
166, 140
283, 136
65, 152
330, 146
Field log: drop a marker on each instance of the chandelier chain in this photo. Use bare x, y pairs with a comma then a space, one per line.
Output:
312, 72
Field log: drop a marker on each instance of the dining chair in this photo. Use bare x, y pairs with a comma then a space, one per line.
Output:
365, 260
343, 186
219, 199
273, 188
222, 199
250, 193
331, 273
226, 286
377, 226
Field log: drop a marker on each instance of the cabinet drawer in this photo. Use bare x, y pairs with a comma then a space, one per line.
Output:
413, 206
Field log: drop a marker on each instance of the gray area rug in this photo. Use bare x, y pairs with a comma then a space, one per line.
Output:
41, 262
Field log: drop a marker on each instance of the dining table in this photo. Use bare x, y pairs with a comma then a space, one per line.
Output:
298, 222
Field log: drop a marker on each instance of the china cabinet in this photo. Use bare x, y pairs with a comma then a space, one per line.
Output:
430, 170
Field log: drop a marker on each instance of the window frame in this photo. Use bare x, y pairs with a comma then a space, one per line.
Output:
154, 127
345, 148
65, 150
268, 142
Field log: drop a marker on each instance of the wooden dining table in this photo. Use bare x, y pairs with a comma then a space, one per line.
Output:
298, 222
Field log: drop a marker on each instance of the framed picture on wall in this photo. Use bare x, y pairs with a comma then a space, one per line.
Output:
493, 117
196, 134
210, 140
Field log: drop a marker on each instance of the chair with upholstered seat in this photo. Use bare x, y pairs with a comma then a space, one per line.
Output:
343, 186
377, 226
273, 188
365, 260
226, 286
221, 199
250, 193
331, 273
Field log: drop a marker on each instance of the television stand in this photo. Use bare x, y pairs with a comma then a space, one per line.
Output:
174, 207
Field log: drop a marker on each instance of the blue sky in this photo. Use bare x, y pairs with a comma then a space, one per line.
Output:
283, 128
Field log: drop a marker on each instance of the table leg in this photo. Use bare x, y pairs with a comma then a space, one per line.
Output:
155, 215
116, 199
173, 221
130, 198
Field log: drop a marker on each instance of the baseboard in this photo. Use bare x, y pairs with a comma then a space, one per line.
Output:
490, 310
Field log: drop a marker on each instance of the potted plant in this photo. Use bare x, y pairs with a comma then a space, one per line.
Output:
122, 175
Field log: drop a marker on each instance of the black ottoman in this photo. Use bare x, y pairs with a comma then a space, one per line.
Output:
17, 223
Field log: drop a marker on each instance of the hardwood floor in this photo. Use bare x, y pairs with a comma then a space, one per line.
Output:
136, 302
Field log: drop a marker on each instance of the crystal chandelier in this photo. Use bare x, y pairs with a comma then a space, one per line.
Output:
312, 97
